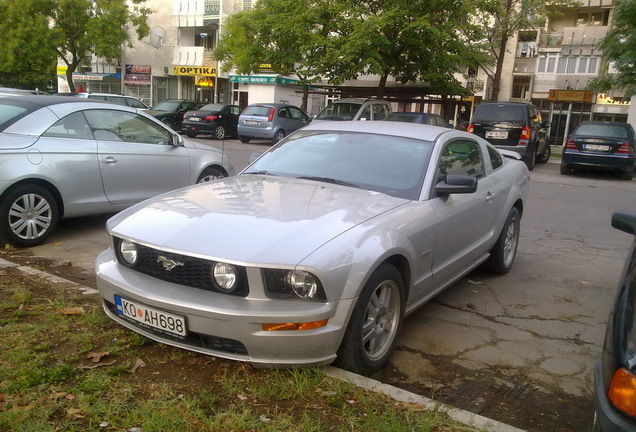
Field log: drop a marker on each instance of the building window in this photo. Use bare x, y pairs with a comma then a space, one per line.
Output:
571, 65
598, 18
520, 87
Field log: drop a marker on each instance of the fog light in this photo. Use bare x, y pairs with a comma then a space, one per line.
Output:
224, 276
128, 252
295, 326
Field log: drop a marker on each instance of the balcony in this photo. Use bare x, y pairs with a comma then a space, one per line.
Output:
525, 65
573, 37
212, 8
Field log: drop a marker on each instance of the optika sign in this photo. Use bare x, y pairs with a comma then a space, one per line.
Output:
191, 70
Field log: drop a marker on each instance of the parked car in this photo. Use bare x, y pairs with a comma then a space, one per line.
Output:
7, 91
270, 121
597, 144
218, 120
130, 101
615, 374
415, 117
352, 109
170, 111
64, 157
515, 126
318, 249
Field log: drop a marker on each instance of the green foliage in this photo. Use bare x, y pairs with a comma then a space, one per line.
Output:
34, 33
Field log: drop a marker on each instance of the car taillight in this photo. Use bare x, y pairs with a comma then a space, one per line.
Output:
211, 118
570, 145
624, 148
470, 128
526, 132
271, 114
622, 391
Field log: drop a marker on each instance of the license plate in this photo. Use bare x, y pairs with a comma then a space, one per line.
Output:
252, 122
497, 134
149, 317
194, 119
597, 147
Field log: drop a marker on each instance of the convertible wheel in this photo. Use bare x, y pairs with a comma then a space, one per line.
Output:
545, 156
218, 133
210, 174
503, 254
28, 215
374, 325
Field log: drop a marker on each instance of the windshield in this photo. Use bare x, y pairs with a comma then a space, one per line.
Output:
167, 106
339, 111
500, 113
382, 163
602, 130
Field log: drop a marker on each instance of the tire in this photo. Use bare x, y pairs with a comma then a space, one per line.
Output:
191, 134
279, 135
545, 156
168, 123
218, 133
210, 174
244, 139
566, 169
28, 215
375, 323
628, 173
503, 254
530, 162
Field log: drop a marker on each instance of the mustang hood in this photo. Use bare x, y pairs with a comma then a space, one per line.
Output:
250, 219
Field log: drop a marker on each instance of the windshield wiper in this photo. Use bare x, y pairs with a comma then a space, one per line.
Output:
329, 180
260, 173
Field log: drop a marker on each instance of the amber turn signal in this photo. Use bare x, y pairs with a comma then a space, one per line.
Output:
622, 391
295, 326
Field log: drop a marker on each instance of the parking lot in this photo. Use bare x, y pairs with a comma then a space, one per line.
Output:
518, 348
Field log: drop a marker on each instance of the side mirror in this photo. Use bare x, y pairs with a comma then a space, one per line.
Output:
177, 140
456, 184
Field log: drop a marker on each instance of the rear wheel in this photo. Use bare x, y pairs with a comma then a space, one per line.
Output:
168, 123
244, 139
210, 174
279, 135
628, 174
191, 134
28, 215
503, 253
218, 133
566, 169
374, 324
544, 157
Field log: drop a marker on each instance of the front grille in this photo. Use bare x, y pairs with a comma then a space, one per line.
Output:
189, 271
193, 339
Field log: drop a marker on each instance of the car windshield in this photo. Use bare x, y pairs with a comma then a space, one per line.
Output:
339, 111
382, 163
500, 113
602, 130
169, 106
258, 110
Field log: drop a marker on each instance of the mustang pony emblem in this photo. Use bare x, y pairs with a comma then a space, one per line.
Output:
167, 263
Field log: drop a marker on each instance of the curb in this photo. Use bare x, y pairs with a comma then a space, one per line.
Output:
462, 416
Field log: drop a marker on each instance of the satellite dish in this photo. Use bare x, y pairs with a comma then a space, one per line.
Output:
157, 37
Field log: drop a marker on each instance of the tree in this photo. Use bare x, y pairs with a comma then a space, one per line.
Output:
72, 30
619, 47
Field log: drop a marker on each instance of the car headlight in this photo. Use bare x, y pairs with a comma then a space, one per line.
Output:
293, 284
128, 252
224, 276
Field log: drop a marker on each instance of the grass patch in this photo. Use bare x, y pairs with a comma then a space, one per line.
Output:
66, 366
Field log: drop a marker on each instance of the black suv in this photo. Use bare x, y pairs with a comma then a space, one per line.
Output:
515, 126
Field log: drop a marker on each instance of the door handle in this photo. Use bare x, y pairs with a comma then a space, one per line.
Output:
109, 160
490, 196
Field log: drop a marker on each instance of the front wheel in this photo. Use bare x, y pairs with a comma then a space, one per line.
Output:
504, 252
218, 132
28, 215
374, 324
210, 174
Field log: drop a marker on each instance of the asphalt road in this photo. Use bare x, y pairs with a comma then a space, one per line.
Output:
518, 348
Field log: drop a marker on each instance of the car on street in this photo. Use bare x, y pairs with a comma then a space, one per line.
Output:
270, 121
130, 101
599, 144
216, 119
316, 251
514, 126
170, 111
7, 91
63, 157
615, 374
354, 109
416, 117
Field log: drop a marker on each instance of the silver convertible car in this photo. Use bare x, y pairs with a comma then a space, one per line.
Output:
317, 251
65, 157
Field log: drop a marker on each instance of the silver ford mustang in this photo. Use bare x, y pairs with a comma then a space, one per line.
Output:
317, 251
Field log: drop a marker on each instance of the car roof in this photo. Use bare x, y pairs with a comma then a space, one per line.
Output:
273, 105
406, 130
43, 100
358, 100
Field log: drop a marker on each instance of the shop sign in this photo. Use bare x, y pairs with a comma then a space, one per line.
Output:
249, 79
602, 98
138, 69
204, 81
570, 95
193, 70
61, 70
137, 80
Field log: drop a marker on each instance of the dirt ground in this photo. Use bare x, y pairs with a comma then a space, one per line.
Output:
511, 398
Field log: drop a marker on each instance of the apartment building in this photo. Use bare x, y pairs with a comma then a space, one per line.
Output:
551, 66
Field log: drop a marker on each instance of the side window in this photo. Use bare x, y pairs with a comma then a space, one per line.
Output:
296, 114
379, 111
495, 158
366, 113
463, 158
117, 100
535, 116
282, 113
134, 103
113, 125
236, 110
72, 126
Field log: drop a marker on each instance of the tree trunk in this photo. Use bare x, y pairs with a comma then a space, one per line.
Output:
382, 85
303, 105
